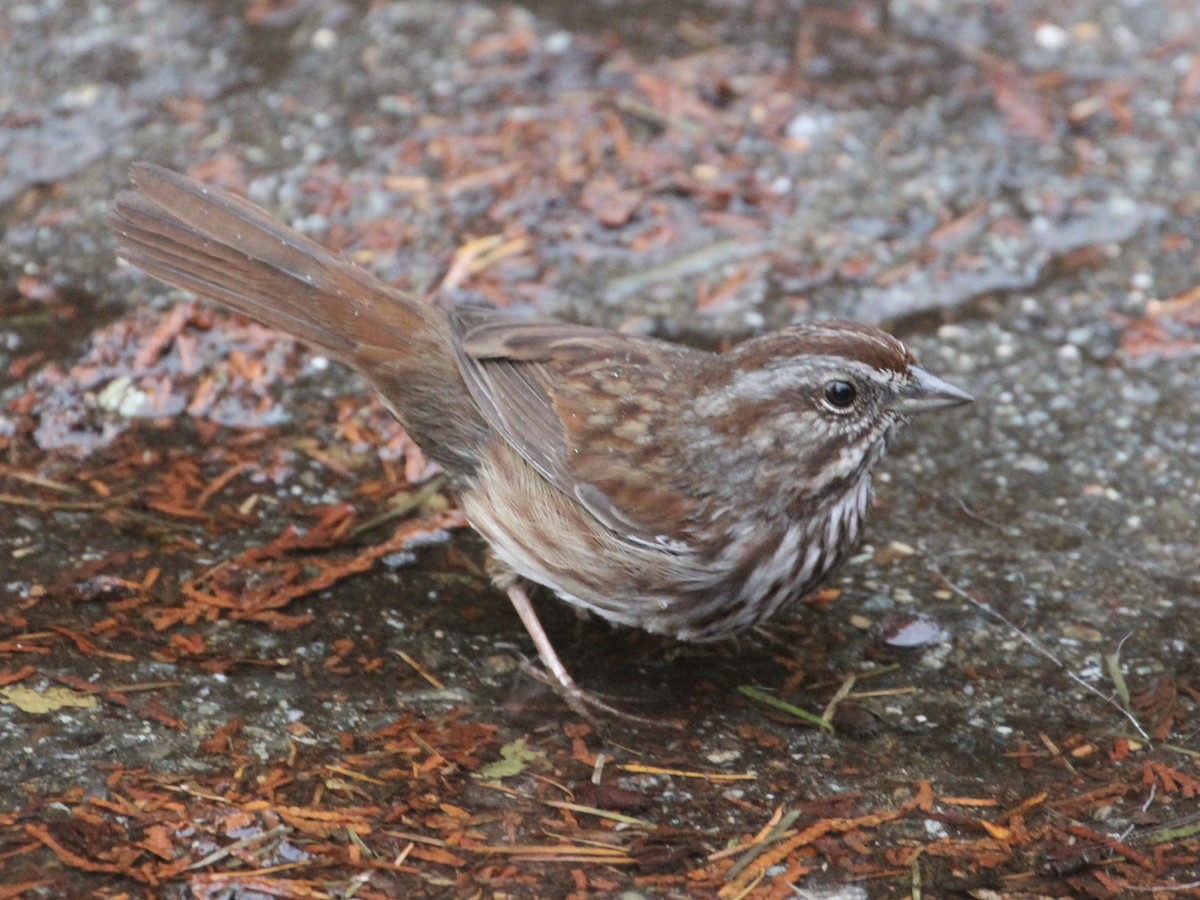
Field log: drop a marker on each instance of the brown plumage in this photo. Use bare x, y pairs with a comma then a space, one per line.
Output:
677, 490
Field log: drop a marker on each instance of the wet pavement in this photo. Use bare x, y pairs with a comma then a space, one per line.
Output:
1014, 190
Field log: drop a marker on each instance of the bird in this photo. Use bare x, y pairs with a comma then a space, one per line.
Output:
683, 491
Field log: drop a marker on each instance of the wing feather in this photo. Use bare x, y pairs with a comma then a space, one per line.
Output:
550, 390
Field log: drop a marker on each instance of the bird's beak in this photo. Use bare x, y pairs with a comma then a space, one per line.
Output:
926, 391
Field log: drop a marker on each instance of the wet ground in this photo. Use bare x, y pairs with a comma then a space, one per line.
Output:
246, 648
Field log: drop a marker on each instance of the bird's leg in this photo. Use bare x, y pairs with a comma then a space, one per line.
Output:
581, 701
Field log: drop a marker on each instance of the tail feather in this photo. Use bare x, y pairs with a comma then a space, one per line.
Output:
224, 248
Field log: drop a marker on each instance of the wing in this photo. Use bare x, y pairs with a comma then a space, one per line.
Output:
563, 396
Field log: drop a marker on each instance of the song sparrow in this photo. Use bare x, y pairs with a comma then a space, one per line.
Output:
681, 491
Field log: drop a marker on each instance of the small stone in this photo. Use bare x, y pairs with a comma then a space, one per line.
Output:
1050, 36
722, 757
121, 397
893, 551
324, 39
1083, 633
1033, 464
500, 664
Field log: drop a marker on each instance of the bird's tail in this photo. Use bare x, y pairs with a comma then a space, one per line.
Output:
223, 248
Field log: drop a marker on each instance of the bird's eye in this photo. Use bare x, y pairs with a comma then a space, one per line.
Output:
840, 395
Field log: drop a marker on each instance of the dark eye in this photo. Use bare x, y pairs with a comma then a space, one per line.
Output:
840, 394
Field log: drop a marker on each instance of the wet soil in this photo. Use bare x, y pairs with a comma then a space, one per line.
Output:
236, 605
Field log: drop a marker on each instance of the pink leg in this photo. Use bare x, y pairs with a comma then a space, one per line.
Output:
577, 698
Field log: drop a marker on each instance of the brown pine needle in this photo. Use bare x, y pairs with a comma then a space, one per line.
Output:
355, 776
601, 813
420, 670
640, 769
